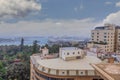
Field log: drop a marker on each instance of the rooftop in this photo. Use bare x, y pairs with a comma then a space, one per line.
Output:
101, 28
109, 71
69, 48
57, 63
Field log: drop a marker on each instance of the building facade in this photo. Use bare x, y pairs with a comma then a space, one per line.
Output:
71, 53
106, 37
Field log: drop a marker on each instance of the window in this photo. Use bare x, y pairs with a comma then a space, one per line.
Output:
43, 69
97, 39
97, 33
67, 53
97, 36
104, 33
81, 72
104, 36
78, 52
104, 39
63, 72
78, 57
73, 52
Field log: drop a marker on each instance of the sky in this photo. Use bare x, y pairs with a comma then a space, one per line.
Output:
56, 17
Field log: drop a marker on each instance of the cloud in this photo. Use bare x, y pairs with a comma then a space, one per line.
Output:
117, 4
75, 9
113, 18
49, 27
108, 3
17, 8
81, 7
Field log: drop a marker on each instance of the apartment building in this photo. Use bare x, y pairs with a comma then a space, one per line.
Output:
72, 64
117, 39
106, 38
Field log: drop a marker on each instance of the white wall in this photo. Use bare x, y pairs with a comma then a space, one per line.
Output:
71, 53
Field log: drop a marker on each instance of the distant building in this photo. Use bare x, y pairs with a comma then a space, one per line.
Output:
44, 54
72, 64
44, 51
106, 38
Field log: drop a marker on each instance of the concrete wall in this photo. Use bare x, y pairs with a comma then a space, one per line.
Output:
68, 54
53, 71
72, 72
62, 72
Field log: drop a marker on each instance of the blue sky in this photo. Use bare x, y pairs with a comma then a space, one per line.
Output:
74, 9
71, 9
56, 17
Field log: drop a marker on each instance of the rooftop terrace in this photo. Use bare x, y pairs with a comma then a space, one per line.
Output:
57, 63
109, 71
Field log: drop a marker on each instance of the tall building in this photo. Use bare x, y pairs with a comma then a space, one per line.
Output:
106, 37
117, 42
72, 64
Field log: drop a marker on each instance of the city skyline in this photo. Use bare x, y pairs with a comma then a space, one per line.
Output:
56, 17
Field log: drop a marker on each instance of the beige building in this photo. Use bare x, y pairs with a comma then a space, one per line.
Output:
62, 69
108, 71
106, 37
117, 39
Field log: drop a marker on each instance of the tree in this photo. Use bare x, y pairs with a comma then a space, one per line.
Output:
18, 71
54, 48
22, 44
2, 71
35, 47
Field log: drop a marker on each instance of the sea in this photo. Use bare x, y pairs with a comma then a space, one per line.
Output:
27, 40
